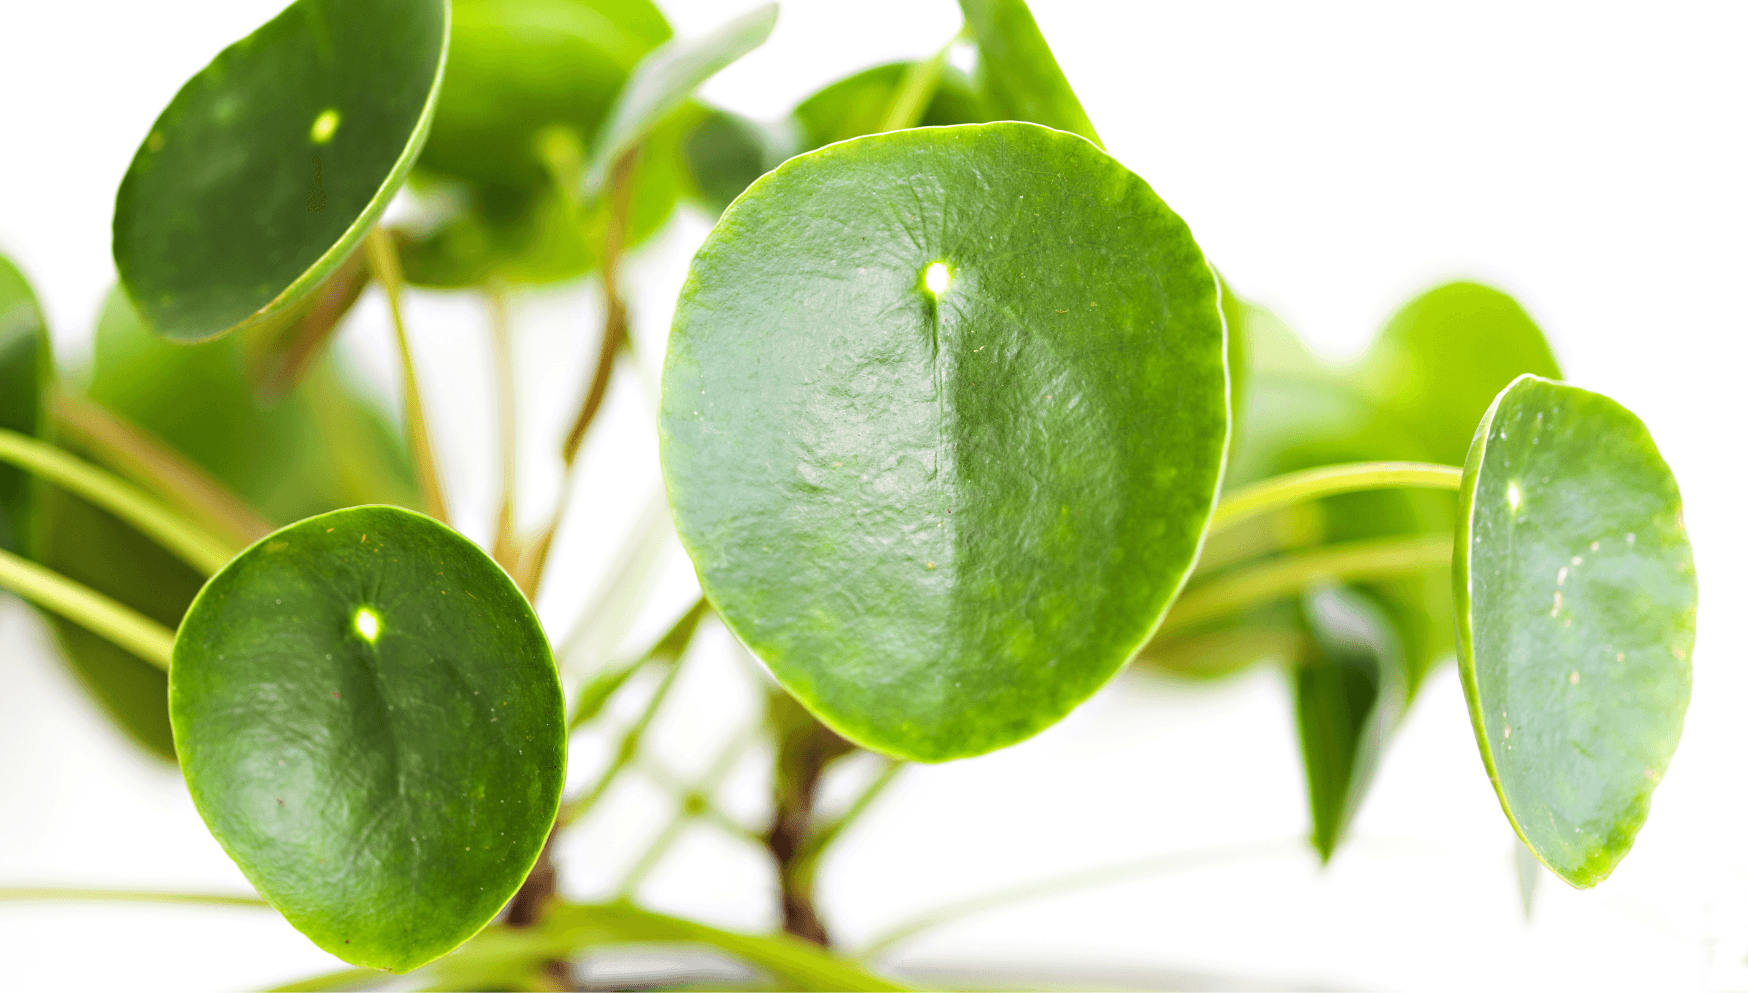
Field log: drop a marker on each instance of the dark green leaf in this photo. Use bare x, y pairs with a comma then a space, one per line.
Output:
1348, 695
26, 372
520, 67
370, 722
1575, 610
1017, 73
1443, 358
725, 152
945, 514
665, 80
857, 105
271, 164
321, 448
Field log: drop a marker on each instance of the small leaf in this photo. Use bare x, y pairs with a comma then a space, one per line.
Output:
519, 67
725, 152
665, 80
856, 105
1348, 696
1575, 613
26, 375
1018, 74
271, 164
370, 722
911, 434
1442, 359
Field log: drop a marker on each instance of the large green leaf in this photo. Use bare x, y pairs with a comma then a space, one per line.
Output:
370, 722
1575, 609
665, 80
26, 371
518, 68
1442, 359
942, 420
1016, 71
271, 164
321, 447
1348, 695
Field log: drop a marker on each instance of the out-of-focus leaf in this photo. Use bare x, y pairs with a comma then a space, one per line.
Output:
1017, 72
664, 81
279, 356
1348, 696
1442, 359
370, 722
520, 67
322, 447
26, 373
1575, 599
271, 164
725, 152
857, 104
896, 353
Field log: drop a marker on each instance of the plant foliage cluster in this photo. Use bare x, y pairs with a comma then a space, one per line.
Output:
956, 422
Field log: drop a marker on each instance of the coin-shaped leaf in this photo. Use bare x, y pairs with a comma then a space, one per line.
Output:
26, 371
1575, 615
370, 722
1016, 70
942, 421
271, 164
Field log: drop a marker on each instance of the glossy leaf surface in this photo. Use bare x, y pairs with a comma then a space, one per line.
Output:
1575, 610
370, 722
271, 164
942, 504
1016, 70
665, 80
322, 447
1442, 359
26, 371
517, 68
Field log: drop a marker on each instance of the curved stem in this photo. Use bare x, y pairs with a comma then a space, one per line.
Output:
126, 501
1245, 588
692, 803
127, 896
92, 610
504, 368
1294, 487
385, 265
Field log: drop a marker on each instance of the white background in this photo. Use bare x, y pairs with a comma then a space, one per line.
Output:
1334, 161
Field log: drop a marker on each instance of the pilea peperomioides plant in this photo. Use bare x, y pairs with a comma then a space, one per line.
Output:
956, 421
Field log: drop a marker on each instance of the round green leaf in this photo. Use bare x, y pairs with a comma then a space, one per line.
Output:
1442, 359
26, 372
370, 722
271, 164
1575, 615
942, 422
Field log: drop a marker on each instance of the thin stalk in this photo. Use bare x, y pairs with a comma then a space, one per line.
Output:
573, 810
156, 466
603, 622
187, 541
46, 893
385, 265
504, 364
1311, 484
915, 90
659, 774
1246, 588
614, 334
823, 837
86, 607
1104, 876
692, 805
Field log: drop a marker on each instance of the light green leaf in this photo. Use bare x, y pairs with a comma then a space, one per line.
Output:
271, 164
370, 722
519, 67
1441, 360
1348, 696
1575, 613
1016, 71
857, 105
911, 428
26, 375
665, 80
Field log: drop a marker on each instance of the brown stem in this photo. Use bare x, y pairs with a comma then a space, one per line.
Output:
537, 891
805, 748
